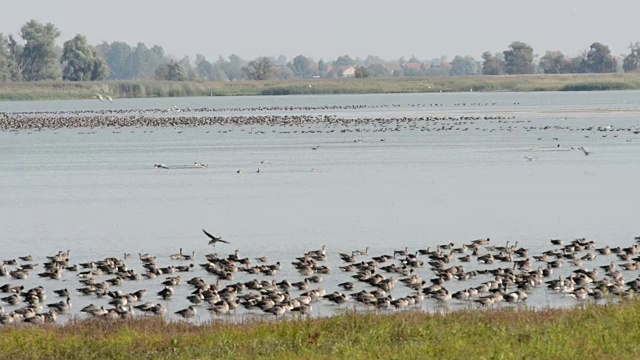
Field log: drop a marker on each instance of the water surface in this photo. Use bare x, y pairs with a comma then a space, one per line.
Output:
97, 193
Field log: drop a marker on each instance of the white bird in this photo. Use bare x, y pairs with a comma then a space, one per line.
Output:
585, 151
529, 158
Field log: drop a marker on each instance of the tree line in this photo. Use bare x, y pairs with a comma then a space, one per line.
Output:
35, 57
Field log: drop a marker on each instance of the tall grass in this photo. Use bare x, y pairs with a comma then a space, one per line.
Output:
595, 332
53, 90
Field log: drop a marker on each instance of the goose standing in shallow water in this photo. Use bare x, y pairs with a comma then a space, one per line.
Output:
12, 299
187, 313
303, 309
181, 256
159, 310
61, 306
189, 257
166, 293
404, 252
220, 308
315, 254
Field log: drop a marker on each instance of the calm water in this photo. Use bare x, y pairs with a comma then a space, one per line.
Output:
98, 194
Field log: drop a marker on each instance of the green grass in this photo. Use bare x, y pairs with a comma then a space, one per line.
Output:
596, 332
61, 90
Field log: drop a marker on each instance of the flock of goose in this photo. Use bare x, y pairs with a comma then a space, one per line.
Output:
37, 122
149, 121
272, 108
485, 274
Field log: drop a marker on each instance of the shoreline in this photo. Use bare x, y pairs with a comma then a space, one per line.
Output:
586, 331
116, 89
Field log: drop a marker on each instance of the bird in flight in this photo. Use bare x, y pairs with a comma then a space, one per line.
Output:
585, 151
214, 239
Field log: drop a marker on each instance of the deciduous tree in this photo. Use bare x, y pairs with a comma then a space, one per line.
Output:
518, 59
631, 62
38, 56
219, 70
554, 62
204, 69
598, 59
188, 68
378, 70
492, 65
322, 67
233, 67
258, 69
145, 61
119, 57
373, 59
361, 72
464, 65
81, 61
171, 70
16, 60
344, 60
439, 67
302, 66
4, 60
281, 60
283, 73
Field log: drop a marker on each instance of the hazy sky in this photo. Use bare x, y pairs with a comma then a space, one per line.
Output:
329, 28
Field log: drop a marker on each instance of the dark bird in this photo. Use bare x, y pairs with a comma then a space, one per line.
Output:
214, 239
585, 151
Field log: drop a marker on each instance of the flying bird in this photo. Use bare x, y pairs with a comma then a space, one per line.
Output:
214, 239
585, 151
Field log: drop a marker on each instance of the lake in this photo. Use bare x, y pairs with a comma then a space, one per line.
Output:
416, 184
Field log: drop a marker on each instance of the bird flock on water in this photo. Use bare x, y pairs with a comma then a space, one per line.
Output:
485, 273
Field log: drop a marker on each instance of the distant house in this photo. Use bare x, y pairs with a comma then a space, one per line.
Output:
349, 72
341, 71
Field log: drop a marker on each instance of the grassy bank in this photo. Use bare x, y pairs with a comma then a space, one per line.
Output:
597, 332
59, 90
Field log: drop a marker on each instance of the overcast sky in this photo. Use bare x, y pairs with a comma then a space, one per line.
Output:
329, 28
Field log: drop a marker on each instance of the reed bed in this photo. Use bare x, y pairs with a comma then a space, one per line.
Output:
61, 90
585, 332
